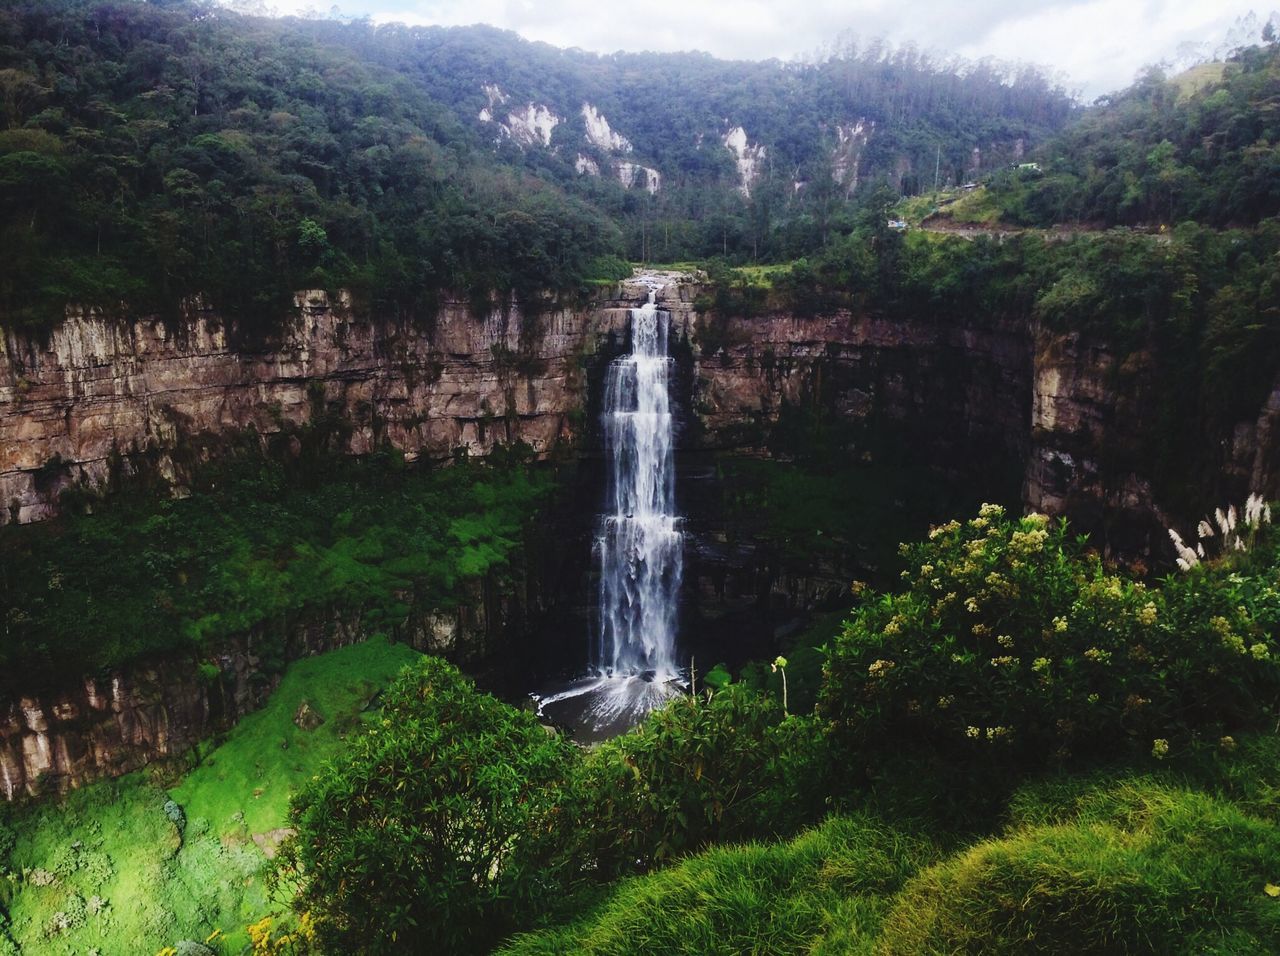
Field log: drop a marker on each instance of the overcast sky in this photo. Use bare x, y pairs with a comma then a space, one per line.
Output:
1098, 45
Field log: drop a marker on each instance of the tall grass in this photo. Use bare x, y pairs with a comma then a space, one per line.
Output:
778, 898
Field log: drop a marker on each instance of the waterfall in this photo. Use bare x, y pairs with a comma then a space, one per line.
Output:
638, 546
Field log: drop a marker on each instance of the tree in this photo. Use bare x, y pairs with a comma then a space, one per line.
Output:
436, 829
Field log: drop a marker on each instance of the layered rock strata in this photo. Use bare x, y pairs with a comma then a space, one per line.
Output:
97, 397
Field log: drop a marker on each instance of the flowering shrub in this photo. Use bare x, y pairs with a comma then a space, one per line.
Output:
1011, 643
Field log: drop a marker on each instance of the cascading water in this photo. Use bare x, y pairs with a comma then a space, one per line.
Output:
639, 545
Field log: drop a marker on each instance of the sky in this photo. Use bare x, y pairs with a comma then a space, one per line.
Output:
1093, 46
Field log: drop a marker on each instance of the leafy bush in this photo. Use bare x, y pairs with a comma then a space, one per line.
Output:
436, 829
1139, 868
700, 770
1012, 645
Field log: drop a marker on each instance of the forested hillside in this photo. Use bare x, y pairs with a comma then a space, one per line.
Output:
1198, 146
151, 151
155, 151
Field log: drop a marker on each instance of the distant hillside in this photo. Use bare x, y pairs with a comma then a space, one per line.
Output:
723, 156
1199, 146
150, 151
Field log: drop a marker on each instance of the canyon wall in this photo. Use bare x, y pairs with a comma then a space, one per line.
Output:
1095, 418
100, 399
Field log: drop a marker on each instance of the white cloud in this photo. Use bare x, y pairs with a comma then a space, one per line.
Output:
1099, 44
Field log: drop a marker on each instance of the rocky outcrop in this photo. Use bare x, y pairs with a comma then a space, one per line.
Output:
99, 398
957, 398
997, 402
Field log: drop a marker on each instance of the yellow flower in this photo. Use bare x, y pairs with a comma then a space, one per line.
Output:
1160, 748
989, 510
1259, 651
1028, 542
1147, 614
1060, 624
880, 668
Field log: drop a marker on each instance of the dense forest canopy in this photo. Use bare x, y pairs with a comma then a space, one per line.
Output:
152, 151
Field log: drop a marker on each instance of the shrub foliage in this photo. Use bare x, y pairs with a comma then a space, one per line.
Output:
1013, 644
437, 827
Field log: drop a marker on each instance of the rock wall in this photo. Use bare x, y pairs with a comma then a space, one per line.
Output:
954, 398
1092, 415
99, 396
997, 402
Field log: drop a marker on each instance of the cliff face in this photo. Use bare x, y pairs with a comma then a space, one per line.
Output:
989, 400
999, 403
954, 398
99, 396
1089, 450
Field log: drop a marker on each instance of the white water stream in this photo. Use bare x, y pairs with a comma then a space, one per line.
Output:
638, 546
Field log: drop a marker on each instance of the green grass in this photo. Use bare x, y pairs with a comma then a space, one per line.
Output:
267, 756
1142, 867
161, 883
762, 275
1178, 860
915, 209
977, 207
1192, 81
825, 891
689, 266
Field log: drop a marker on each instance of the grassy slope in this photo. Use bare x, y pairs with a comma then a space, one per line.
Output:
1115, 863
834, 880
114, 842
